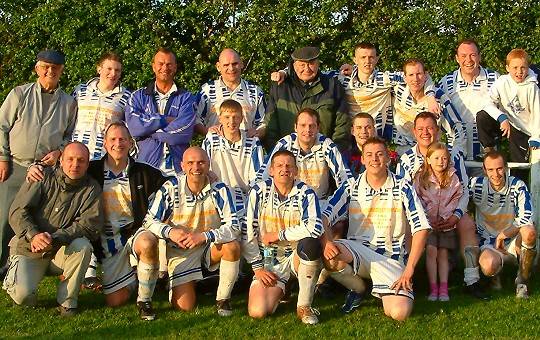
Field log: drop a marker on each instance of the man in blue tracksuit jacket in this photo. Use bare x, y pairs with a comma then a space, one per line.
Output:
161, 117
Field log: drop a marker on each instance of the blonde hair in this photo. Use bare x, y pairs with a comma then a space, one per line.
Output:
426, 171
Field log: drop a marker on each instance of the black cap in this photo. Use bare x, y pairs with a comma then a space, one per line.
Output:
306, 53
51, 56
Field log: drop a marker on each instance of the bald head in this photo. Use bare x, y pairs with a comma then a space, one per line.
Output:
195, 164
230, 67
74, 160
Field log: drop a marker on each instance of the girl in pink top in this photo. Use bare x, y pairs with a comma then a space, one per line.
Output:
439, 190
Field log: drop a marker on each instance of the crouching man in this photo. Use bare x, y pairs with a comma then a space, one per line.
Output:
283, 217
504, 222
383, 212
54, 221
198, 220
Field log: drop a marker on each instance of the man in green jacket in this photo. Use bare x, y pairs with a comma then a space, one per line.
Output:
54, 221
307, 87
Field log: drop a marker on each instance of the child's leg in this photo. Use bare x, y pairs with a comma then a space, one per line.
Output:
431, 267
442, 264
518, 147
431, 264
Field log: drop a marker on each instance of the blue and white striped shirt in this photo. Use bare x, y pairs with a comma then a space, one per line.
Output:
498, 210
294, 217
249, 95
95, 111
212, 211
379, 219
315, 167
468, 99
236, 164
406, 109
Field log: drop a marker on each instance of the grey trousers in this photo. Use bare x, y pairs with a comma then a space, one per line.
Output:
25, 274
8, 190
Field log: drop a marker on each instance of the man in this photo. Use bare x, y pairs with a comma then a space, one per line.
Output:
363, 128
504, 221
230, 85
161, 116
317, 157
410, 99
426, 131
54, 221
307, 87
382, 210
283, 215
36, 121
468, 89
198, 220
127, 186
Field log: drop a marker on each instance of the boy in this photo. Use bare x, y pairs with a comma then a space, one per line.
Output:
513, 110
234, 157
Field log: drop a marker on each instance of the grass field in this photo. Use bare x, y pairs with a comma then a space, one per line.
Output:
462, 317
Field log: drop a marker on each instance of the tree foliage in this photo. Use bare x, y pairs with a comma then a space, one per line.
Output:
263, 31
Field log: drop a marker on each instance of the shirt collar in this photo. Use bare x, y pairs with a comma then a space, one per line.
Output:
165, 95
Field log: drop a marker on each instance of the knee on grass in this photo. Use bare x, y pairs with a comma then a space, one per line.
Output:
398, 312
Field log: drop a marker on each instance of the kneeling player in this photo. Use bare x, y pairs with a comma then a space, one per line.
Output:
383, 209
283, 216
198, 220
503, 221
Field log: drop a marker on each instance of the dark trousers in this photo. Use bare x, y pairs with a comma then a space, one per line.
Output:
490, 135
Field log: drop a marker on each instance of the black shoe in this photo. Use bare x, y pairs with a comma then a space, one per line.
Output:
325, 291
66, 312
224, 307
146, 312
475, 290
352, 301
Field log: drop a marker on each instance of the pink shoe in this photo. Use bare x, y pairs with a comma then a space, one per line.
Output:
444, 297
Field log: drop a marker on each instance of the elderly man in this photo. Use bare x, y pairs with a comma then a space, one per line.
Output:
161, 116
307, 87
468, 88
36, 121
230, 85
504, 222
426, 131
383, 210
198, 220
54, 221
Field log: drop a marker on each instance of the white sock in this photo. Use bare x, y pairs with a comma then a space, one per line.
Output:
308, 273
228, 272
147, 275
349, 280
92, 267
471, 275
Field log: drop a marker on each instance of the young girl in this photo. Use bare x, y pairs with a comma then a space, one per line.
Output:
439, 190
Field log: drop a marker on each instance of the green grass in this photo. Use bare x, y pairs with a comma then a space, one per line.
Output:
462, 317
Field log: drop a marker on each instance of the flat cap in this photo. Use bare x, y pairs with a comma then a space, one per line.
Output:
51, 56
306, 53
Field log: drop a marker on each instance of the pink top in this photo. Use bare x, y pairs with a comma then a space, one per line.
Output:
439, 203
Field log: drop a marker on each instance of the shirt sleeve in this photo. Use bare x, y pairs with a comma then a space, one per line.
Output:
229, 230
413, 209
310, 222
161, 209
8, 115
250, 229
